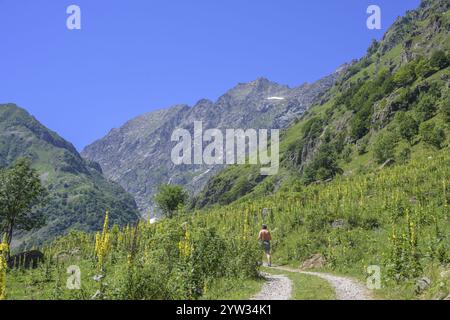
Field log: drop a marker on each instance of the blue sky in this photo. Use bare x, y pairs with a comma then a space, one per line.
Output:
132, 57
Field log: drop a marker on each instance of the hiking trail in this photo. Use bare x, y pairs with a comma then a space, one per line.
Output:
345, 288
279, 287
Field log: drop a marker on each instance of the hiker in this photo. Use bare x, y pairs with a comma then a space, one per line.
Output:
264, 238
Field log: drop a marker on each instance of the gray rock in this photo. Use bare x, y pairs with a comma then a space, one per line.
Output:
98, 277
387, 163
97, 295
339, 223
316, 261
422, 284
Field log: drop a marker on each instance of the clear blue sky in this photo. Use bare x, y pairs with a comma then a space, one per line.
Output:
135, 56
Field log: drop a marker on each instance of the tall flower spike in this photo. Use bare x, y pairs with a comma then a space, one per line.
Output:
102, 243
4, 249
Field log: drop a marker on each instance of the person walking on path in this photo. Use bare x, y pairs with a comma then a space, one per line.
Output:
264, 237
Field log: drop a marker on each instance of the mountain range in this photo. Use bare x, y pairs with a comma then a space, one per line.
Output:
137, 155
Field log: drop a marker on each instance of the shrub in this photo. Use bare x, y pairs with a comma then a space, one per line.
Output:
445, 108
424, 69
439, 60
405, 75
407, 127
383, 147
362, 144
403, 153
324, 165
403, 100
347, 154
426, 107
432, 134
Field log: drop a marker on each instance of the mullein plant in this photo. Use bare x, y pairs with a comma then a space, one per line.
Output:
102, 244
184, 245
4, 250
101, 250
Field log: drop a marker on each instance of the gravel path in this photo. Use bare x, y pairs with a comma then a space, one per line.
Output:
277, 287
346, 288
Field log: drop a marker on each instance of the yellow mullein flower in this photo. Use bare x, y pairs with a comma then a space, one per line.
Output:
102, 243
4, 249
185, 245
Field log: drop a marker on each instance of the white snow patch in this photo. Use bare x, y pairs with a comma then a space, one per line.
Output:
275, 98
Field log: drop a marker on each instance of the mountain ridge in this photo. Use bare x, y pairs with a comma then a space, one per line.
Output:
78, 193
143, 143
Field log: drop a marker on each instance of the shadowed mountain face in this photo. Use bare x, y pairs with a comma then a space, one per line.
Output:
79, 194
137, 155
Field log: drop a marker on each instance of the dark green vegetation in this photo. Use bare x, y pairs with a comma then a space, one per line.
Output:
78, 193
170, 198
21, 192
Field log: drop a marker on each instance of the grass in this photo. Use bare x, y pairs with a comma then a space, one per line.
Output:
234, 289
306, 287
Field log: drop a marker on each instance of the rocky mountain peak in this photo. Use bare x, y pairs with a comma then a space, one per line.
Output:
137, 155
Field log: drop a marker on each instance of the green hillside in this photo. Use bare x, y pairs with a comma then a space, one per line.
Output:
390, 104
396, 218
79, 194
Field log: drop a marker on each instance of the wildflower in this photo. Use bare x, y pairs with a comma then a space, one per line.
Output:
4, 249
102, 243
185, 245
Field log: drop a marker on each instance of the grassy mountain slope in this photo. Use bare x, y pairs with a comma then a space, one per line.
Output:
396, 218
79, 194
395, 96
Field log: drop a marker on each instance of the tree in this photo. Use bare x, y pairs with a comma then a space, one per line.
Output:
403, 152
384, 147
405, 75
324, 165
439, 60
445, 108
432, 134
21, 193
423, 68
426, 107
169, 198
407, 126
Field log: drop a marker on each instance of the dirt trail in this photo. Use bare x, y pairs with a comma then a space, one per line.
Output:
277, 287
346, 288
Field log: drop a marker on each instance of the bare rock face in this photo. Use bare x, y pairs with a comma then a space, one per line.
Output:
422, 284
316, 261
137, 155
